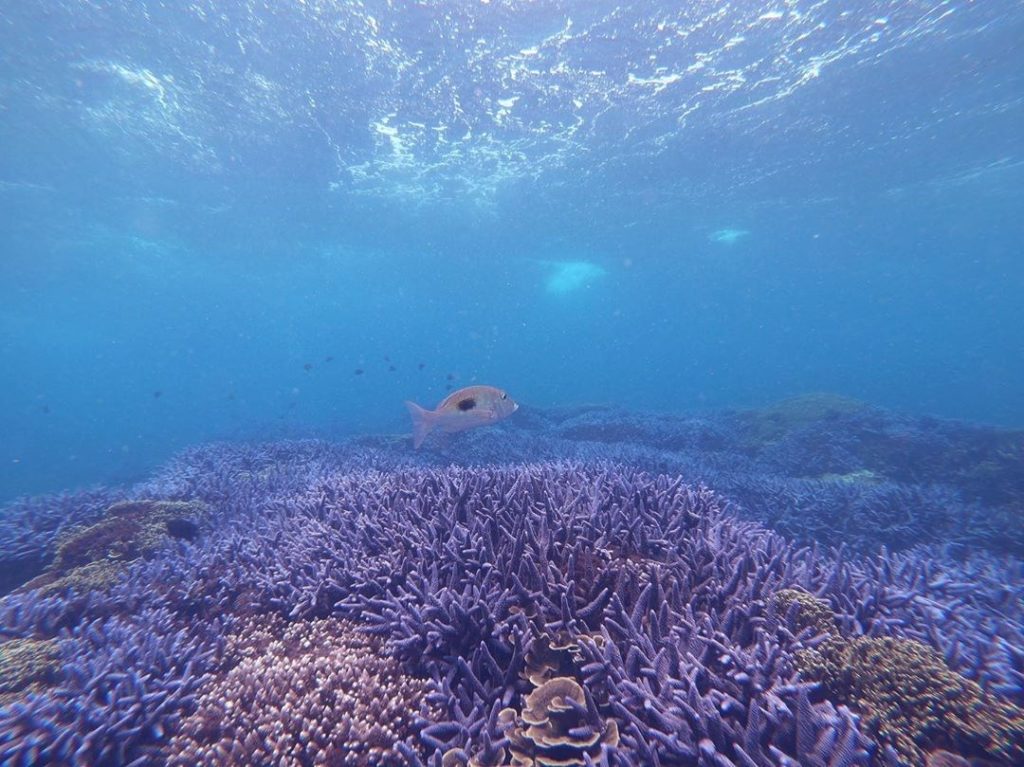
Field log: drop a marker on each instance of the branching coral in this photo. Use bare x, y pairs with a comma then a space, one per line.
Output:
306, 693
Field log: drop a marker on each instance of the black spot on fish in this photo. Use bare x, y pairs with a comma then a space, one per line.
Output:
358, 371
157, 394
467, 404
308, 366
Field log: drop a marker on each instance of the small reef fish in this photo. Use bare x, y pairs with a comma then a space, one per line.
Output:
463, 409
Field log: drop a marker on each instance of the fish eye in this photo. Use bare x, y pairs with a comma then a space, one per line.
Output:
504, 395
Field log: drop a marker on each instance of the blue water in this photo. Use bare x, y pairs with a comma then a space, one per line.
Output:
663, 206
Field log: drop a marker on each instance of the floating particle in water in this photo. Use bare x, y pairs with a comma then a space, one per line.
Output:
448, 387
387, 358
328, 358
45, 409
358, 371
231, 395
157, 394
392, 368
421, 366
308, 366
451, 377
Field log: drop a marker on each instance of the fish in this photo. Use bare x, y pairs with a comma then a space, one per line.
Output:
464, 409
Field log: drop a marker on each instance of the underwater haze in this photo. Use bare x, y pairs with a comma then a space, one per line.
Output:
510, 383
214, 213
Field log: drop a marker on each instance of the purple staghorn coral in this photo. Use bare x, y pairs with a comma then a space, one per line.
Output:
122, 686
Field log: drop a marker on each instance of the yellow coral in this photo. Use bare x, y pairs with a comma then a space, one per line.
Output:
813, 611
912, 700
94, 556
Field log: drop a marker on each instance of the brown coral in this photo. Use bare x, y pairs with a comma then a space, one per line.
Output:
307, 693
812, 611
557, 726
548, 657
911, 699
94, 556
26, 665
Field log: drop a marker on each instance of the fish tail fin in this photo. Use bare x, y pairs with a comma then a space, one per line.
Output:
422, 423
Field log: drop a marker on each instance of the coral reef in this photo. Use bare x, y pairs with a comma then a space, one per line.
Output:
776, 421
809, 611
558, 725
910, 698
26, 665
29, 527
315, 692
121, 688
94, 556
360, 604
